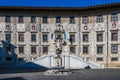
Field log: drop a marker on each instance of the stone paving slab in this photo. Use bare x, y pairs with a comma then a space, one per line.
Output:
86, 74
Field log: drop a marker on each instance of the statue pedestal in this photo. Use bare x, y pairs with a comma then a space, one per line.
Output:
58, 61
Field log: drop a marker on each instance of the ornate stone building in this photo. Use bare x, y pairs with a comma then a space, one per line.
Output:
92, 32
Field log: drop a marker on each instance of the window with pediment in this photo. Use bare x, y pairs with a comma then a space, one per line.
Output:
114, 36
33, 50
21, 37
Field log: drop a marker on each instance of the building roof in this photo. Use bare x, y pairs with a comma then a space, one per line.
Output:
112, 5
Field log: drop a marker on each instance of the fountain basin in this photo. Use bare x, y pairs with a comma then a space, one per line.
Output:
56, 72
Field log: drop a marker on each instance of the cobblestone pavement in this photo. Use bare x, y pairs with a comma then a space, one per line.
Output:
86, 74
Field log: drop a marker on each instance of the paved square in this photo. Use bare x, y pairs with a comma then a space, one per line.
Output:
34, 74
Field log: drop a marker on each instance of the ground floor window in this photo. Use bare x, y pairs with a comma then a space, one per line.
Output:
99, 59
33, 49
99, 49
21, 49
114, 59
85, 49
114, 48
72, 49
45, 49
21, 37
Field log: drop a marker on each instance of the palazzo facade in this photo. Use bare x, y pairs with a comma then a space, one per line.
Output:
93, 32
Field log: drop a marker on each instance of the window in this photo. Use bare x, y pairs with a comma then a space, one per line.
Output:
8, 37
21, 37
45, 49
8, 48
72, 49
21, 49
114, 36
59, 37
85, 49
33, 49
20, 19
33, 37
114, 59
72, 37
114, 48
99, 59
85, 20
33, 27
99, 37
99, 49
7, 19
99, 18
8, 58
85, 38
72, 20
114, 17
44, 20
8, 28
58, 19
33, 19
45, 38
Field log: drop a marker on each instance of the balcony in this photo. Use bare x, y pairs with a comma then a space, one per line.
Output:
58, 29
58, 39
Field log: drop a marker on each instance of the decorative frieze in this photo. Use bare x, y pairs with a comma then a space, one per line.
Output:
45, 28
86, 27
8, 27
99, 27
114, 26
72, 28
20, 27
34, 28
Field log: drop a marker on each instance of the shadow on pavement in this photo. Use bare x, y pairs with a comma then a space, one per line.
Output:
8, 71
13, 63
14, 78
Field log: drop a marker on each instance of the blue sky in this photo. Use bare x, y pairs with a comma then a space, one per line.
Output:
55, 3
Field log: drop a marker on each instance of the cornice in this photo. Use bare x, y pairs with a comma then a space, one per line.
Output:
29, 8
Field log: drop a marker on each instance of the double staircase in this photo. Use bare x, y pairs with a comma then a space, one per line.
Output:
68, 62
